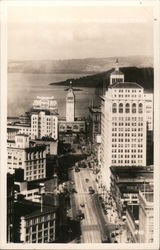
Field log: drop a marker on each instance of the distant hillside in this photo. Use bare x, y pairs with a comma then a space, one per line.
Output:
143, 76
76, 66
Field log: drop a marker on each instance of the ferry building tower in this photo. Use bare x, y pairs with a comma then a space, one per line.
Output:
70, 104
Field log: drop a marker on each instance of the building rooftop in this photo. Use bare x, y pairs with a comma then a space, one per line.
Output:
46, 111
12, 130
45, 139
132, 85
35, 148
46, 209
11, 141
17, 124
29, 209
22, 135
137, 172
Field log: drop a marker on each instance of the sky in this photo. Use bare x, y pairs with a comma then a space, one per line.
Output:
69, 32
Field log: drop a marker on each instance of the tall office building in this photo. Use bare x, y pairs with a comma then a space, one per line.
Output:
123, 125
44, 124
70, 104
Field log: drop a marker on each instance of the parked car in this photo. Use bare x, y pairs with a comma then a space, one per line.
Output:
80, 215
82, 205
77, 169
91, 190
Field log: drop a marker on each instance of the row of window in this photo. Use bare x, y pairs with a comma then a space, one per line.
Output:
126, 151
128, 96
37, 155
128, 90
123, 123
127, 140
134, 118
34, 172
127, 156
127, 145
126, 162
133, 108
126, 129
30, 178
40, 219
126, 134
40, 227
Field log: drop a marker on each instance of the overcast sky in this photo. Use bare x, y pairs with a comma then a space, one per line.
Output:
66, 32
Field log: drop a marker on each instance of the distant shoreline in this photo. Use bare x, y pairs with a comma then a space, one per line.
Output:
142, 76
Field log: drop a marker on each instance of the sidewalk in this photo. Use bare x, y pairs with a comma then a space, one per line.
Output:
115, 224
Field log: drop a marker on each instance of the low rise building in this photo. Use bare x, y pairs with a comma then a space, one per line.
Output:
22, 128
139, 218
34, 222
126, 182
78, 126
39, 226
11, 133
51, 145
30, 192
132, 222
146, 213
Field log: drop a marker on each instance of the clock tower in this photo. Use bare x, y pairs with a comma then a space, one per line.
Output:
70, 102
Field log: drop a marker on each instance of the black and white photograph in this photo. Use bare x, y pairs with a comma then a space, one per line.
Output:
79, 144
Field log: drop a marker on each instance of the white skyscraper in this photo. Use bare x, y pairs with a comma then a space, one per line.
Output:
44, 124
123, 126
70, 104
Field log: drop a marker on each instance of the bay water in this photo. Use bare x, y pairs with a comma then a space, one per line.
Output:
23, 88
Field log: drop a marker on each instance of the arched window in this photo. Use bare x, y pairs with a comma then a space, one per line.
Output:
121, 108
114, 108
133, 108
140, 108
127, 110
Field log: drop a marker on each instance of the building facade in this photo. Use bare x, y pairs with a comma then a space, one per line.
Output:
38, 226
21, 129
126, 182
10, 207
146, 211
30, 158
70, 104
77, 126
94, 122
123, 127
44, 124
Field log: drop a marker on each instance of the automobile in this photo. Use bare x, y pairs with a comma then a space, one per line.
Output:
112, 235
76, 164
82, 205
91, 190
77, 169
72, 190
80, 215
87, 180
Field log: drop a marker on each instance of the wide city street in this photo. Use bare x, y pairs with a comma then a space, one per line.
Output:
93, 226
